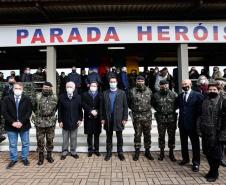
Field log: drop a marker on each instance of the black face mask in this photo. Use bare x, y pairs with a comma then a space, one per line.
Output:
186, 88
212, 94
73, 71
163, 91
46, 92
140, 86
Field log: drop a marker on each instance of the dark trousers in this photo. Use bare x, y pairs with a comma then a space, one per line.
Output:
214, 165
91, 146
184, 134
109, 134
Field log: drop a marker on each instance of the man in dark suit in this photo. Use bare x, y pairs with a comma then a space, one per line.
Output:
17, 109
189, 102
70, 116
114, 116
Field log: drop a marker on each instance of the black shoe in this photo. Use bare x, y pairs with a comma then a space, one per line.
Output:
97, 153
107, 156
161, 155
136, 155
25, 162
223, 163
40, 158
148, 155
208, 175
171, 156
63, 157
183, 162
90, 154
11, 164
195, 167
49, 157
2, 138
75, 156
212, 178
121, 157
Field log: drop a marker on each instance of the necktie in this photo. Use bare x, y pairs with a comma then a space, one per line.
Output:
17, 108
185, 97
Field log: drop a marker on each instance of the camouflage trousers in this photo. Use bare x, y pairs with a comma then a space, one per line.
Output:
142, 127
171, 130
43, 134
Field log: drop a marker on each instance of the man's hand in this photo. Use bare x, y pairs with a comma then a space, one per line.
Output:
79, 123
124, 122
14, 124
17, 124
94, 112
61, 124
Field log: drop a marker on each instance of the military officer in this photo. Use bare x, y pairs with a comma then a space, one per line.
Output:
45, 120
140, 104
164, 102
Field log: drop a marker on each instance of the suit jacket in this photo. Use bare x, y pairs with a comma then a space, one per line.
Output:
189, 111
70, 111
92, 125
120, 110
10, 114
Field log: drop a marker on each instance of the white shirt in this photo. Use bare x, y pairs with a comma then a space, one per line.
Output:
17, 97
187, 94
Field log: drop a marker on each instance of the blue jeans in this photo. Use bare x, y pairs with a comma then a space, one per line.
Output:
13, 140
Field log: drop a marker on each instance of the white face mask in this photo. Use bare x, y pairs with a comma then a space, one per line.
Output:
93, 89
17, 92
70, 90
113, 85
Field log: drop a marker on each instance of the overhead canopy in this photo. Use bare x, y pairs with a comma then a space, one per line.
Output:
46, 11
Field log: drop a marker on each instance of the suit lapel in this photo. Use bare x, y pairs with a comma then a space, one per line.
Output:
190, 96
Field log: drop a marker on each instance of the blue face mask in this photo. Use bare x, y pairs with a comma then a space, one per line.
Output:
113, 85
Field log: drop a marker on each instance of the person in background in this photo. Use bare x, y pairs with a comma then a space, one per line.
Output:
114, 116
91, 103
84, 87
26, 76
17, 109
193, 73
74, 77
93, 76
63, 81
163, 75
8, 89
2, 77
202, 85
132, 78
224, 76
70, 117
216, 73
123, 82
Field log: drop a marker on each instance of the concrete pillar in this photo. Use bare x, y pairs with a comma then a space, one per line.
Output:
182, 55
51, 66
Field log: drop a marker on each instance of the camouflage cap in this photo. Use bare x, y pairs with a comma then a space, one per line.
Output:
140, 78
163, 82
48, 84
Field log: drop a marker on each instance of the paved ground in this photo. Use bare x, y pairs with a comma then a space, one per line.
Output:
95, 170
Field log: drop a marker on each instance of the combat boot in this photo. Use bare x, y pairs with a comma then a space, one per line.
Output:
148, 154
171, 155
49, 157
137, 154
40, 158
161, 155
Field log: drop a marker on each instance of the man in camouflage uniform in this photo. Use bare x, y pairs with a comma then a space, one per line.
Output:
45, 120
140, 104
164, 102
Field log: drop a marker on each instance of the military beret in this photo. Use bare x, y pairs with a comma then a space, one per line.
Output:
163, 82
93, 81
140, 78
48, 84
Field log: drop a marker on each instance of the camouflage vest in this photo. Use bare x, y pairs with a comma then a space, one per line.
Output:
141, 104
45, 115
165, 107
